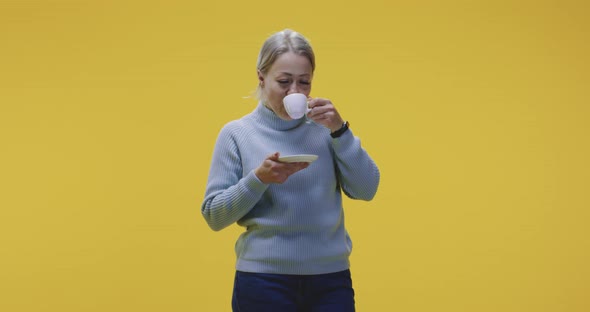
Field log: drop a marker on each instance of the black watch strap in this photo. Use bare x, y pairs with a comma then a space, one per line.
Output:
340, 131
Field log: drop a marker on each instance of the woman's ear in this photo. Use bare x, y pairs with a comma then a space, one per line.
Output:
260, 79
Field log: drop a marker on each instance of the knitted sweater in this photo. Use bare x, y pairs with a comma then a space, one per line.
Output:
296, 227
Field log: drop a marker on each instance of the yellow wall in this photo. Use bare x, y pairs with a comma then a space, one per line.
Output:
477, 113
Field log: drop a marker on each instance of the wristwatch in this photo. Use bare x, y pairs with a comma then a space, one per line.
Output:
340, 131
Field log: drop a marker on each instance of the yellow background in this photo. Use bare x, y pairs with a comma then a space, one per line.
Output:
477, 113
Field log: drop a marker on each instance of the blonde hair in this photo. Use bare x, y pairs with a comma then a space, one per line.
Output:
279, 43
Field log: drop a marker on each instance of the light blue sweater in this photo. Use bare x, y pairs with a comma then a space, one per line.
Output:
296, 227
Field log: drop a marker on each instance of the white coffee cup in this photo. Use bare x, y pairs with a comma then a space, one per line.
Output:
296, 105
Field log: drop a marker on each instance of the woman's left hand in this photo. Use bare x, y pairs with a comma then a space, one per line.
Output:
324, 113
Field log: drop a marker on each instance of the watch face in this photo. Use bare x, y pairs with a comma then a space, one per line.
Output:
344, 126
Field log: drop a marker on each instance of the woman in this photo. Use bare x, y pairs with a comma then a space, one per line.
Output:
294, 253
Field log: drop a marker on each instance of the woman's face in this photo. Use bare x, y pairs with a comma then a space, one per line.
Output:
290, 73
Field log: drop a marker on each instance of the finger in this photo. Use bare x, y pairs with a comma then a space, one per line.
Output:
274, 156
316, 112
321, 116
318, 102
291, 168
311, 103
300, 166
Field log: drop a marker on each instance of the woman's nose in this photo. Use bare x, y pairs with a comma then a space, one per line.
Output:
293, 88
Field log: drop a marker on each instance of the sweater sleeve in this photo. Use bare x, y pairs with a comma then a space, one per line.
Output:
357, 172
229, 195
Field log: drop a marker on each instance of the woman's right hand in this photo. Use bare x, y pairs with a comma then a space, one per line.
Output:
273, 171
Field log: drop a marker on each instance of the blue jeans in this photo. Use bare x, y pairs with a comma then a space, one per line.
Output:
262, 292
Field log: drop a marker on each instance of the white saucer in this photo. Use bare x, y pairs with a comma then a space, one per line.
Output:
298, 158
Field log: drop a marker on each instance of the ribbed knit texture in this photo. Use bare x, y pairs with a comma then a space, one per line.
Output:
296, 227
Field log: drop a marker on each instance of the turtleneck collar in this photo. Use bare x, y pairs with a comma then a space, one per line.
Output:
267, 117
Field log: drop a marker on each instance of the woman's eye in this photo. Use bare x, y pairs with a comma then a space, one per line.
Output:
283, 81
305, 82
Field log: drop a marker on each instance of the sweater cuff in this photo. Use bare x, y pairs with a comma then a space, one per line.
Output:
254, 184
343, 141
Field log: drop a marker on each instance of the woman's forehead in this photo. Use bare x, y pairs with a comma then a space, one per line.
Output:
291, 64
